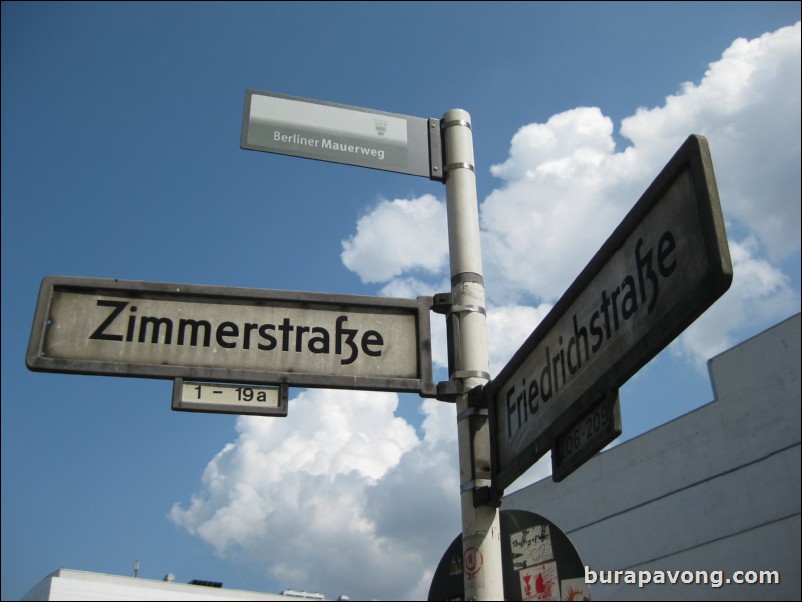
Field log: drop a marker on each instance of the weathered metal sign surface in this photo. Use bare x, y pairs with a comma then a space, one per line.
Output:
221, 334
326, 131
587, 437
664, 265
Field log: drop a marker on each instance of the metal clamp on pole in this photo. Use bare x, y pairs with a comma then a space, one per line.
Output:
474, 485
464, 309
471, 412
449, 390
484, 494
443, 303
451, 166
478, 414
470, 374
487, 496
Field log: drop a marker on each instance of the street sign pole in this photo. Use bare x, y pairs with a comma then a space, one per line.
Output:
469, 364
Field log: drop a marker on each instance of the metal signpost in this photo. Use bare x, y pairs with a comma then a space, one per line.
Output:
240, 349
664, 265
469, 363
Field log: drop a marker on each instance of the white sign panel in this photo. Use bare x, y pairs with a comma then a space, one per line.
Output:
226, 334
531, 546
220, 398
314, 129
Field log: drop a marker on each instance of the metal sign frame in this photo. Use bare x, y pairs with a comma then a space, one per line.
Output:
691, 162
38, 359
317, 129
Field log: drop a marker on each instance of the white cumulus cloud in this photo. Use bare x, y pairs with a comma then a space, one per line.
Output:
565, 187
398, 236
562, 196
507, 328
321, 482
748, 106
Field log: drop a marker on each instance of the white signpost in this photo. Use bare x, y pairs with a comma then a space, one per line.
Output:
664, 265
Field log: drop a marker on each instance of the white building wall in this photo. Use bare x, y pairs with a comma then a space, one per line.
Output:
717, 489
67, 584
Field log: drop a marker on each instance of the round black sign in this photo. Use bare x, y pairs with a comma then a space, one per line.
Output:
538, 560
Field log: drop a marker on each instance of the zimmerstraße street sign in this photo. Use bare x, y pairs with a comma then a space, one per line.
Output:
223, 334
664, 265
327, 131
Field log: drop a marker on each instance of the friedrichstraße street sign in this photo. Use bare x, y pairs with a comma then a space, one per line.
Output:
223, 334
315, 129
220, 398
664, 265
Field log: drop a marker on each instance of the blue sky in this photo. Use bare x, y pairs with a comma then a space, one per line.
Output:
121, 159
